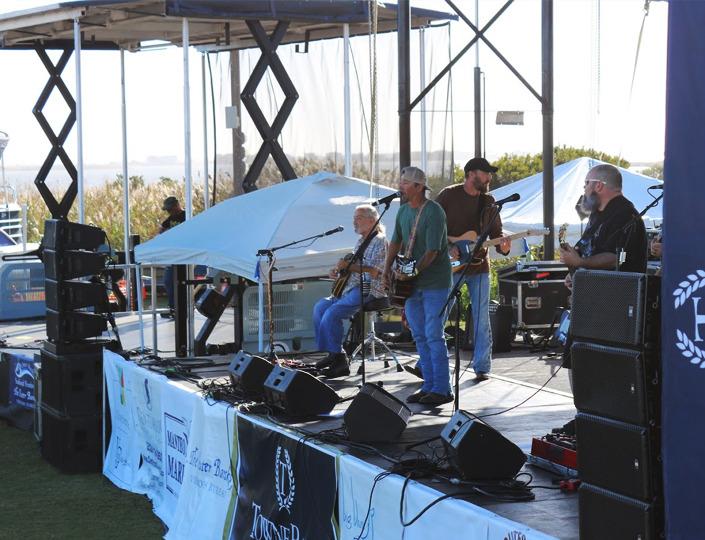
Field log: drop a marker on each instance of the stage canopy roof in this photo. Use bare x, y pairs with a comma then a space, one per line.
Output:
133, 24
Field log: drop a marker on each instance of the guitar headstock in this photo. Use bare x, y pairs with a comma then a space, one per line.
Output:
562, 234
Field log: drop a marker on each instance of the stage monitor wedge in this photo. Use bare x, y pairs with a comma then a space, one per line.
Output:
480, 452
248, 373
298, 393
375, 415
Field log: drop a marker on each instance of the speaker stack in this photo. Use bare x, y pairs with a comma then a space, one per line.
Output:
615, 326
69, 386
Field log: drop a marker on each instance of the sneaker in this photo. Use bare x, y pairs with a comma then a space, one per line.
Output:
481, 376
414, 370
167, 315
432, 398
416, 396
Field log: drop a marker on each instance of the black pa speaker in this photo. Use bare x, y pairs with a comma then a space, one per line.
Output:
617, 456
248, 373
480, 452
70, 295
72, 384
375, 415
71, 264
60, 234
71, 444
605, 515
621, 384
298, 393
73, 325
615, 307
211, 304
501, 325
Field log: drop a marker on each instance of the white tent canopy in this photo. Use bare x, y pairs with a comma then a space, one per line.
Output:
228, 235
569, 181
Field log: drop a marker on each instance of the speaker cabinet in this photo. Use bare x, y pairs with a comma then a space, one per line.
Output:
72, 384
73, 325
480, 452
211, 304
617, 456
621, 384
375, 415
619, 308
501, 324
248, 373
71, 444
298, 393
605, 515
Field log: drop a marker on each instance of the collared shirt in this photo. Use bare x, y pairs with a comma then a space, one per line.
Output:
374, 257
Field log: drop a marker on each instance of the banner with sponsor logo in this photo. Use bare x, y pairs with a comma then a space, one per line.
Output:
123, 456
683, 286
209, 491
17, 377
362, 518
287, 488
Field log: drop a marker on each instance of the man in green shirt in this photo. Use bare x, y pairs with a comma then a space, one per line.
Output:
420, 234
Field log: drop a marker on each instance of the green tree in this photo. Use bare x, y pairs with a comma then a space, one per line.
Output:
513, 167
656, 171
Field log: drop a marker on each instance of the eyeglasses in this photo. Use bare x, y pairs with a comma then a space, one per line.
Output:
593, 180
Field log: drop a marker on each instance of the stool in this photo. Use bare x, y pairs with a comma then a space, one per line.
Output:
376, 306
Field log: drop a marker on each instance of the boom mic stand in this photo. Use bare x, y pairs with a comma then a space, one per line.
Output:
455, 295
357, 256
269, 252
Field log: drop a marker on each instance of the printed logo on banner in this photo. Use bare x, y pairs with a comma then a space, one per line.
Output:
147, 397
122, 386
684, 297
176, 442
285, 484
22, 382
515, 535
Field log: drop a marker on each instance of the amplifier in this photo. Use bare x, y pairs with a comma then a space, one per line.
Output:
620, 308
535, 290
618, 456
501, 325
622, 384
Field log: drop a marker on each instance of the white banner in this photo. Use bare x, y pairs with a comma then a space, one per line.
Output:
208, 494
451, 518
123, 457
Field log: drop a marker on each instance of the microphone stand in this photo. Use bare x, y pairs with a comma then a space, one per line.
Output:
455, 294
357, 256
269, 252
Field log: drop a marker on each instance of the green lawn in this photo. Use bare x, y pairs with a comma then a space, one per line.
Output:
37, 501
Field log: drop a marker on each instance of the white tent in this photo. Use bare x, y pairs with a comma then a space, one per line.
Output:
569, 181
228, 235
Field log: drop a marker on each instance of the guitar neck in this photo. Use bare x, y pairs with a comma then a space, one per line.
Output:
515, 236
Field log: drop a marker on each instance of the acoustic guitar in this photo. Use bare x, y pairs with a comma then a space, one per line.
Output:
466, 245
401, 289
342, 280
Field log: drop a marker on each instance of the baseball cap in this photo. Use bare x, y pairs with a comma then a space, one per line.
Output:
415, 175
479, 164
169, 203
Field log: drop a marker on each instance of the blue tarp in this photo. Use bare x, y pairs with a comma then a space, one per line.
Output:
683, 314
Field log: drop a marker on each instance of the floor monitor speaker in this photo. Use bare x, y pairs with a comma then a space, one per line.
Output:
248, 372
375, 415
298, 393
480, 452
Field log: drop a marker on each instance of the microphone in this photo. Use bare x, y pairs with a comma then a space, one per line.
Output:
511, 198
387, 199
657, 186
338, 229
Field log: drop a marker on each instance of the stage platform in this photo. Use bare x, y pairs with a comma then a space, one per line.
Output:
513, 390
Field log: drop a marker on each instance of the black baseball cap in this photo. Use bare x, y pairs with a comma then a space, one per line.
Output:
479, 164
169, 203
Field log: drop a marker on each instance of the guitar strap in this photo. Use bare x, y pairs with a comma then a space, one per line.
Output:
412, 238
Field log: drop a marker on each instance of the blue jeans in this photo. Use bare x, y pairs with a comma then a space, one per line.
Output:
479, 291
328, 316
199, 271
422, 309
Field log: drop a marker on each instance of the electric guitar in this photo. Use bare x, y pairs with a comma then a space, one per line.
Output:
466, 245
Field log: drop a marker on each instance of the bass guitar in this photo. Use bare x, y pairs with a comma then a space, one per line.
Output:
466, 245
